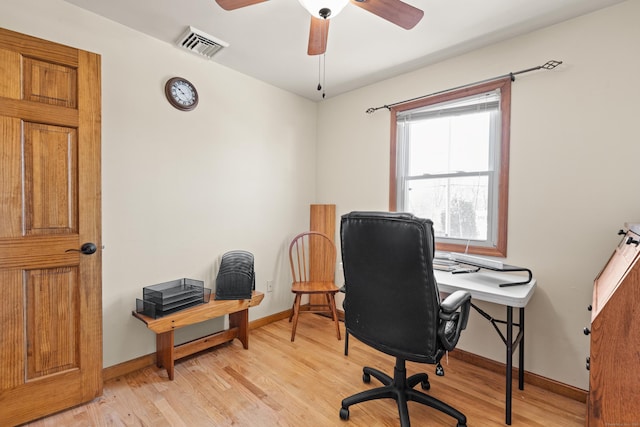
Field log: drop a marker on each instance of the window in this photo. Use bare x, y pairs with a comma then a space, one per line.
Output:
450, 163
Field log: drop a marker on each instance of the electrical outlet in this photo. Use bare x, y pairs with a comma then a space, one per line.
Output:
269, 285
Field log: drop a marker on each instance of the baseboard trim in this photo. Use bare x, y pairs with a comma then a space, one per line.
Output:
269, 319
129, 366
545, 383
147, 360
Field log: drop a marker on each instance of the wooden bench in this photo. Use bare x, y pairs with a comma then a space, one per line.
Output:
167, 352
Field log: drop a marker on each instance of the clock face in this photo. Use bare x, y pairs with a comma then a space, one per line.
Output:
181, 94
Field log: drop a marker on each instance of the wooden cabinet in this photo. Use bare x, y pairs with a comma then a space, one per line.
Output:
614, 361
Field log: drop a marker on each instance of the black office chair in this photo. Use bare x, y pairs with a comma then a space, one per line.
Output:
392, 304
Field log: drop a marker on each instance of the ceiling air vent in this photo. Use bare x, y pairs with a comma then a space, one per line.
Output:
201, 43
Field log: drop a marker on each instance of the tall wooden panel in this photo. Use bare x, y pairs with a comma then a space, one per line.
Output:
322, 218
614, 361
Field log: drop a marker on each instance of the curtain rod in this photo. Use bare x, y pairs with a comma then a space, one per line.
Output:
549, 65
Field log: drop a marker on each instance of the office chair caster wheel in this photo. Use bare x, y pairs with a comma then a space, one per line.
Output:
344, 414
461, 425
366, 378
426, 385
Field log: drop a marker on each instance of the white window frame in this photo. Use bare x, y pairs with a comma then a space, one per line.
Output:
496, 243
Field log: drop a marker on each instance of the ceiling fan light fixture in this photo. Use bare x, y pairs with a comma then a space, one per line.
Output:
318, 8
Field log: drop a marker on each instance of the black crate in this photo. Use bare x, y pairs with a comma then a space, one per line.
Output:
169, 297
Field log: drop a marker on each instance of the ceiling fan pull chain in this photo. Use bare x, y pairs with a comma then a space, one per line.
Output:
324, 73
324, 14
319, 74
324, 55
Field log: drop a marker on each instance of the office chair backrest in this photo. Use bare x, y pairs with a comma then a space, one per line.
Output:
391, 300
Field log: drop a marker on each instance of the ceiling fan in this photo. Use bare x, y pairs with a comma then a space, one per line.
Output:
394, 11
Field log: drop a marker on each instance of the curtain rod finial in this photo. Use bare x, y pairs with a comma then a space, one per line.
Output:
550, 65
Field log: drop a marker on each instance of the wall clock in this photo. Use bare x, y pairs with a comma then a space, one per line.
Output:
181, 93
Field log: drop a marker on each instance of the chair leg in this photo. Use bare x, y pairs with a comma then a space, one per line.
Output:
334, 313
403, 410
425, 399
292, 310
423, 378
377, 374
346, 342
386, 392
296, 312
400, 389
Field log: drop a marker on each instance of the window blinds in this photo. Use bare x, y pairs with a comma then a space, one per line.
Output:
488, 101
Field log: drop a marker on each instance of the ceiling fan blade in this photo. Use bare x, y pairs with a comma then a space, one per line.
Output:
236, 4
318, 34
395, 11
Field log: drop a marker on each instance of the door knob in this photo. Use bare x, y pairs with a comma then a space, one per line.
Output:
87, 249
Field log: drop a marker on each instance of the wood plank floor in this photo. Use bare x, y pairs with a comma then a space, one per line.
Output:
301, 384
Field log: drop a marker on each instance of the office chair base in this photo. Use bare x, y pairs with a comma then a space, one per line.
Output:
400, 388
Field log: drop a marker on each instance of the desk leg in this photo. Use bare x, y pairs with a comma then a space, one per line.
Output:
509, 363
240, 320
165, 352
510, 343
521, 351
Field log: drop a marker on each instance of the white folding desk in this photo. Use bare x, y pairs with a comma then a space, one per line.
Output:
485, 286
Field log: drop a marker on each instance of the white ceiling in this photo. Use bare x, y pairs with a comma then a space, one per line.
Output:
268, 41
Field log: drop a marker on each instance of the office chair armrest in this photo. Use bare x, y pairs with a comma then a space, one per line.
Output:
454, 313
454, 301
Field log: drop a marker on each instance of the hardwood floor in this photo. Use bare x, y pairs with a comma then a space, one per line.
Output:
301, 384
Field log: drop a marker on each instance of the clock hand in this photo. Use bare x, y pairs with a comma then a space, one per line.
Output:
181, 94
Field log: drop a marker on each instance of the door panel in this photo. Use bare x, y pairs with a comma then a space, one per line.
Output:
49, 83
51, 311
50, 179
52, 334
10, 71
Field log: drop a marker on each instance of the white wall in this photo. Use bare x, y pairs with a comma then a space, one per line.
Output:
180, 189
574, 145
240, 171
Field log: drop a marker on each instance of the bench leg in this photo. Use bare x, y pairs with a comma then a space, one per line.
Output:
240, 320
165, 352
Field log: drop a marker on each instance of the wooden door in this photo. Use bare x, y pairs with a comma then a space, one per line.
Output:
50, 293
